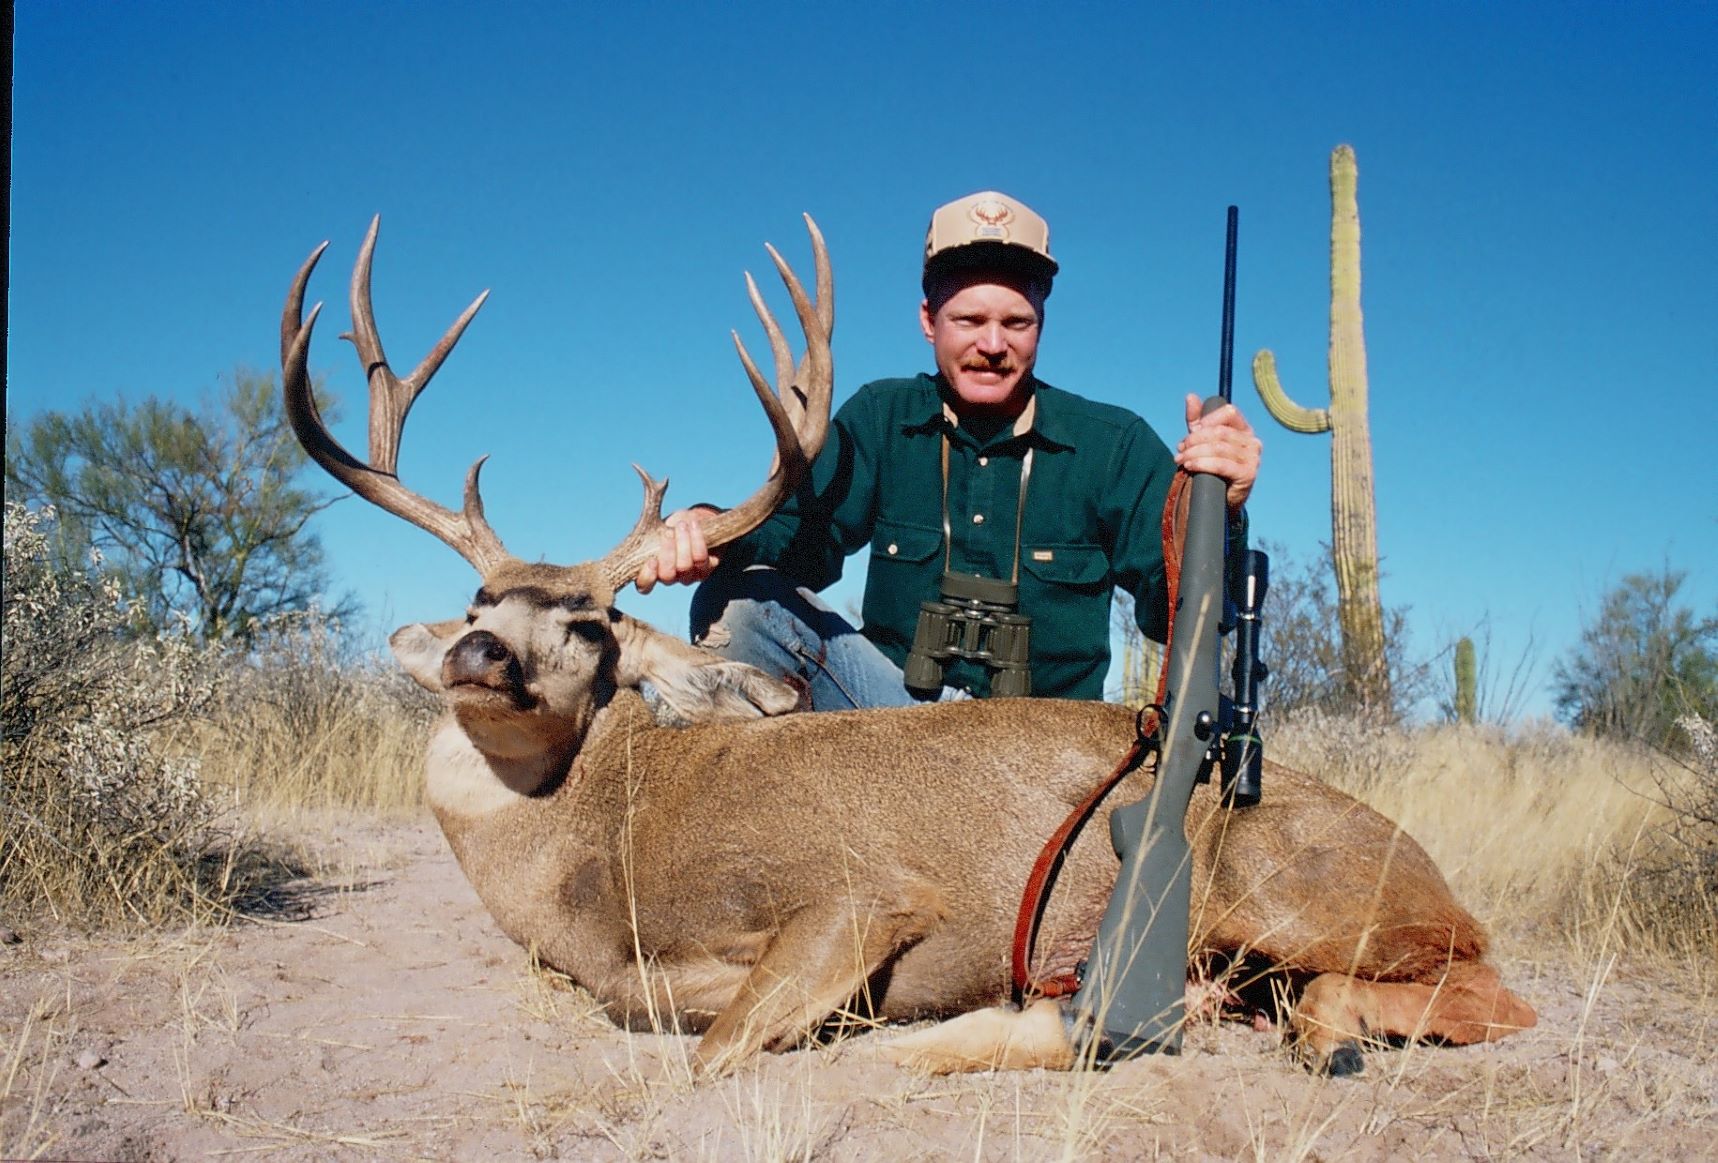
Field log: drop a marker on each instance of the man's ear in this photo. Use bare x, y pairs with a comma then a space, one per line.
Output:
700, 687
419, 649
927, 321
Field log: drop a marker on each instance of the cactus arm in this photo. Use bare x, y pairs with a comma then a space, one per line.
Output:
1309, 421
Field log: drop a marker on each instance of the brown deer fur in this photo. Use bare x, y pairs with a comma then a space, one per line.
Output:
748, 876
751, 873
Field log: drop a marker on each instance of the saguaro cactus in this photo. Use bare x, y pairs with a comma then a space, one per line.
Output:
1467, 682
1353, 512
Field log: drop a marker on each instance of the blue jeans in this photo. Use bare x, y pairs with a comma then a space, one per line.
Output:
759, 617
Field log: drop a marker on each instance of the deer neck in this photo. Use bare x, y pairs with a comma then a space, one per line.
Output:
464, 780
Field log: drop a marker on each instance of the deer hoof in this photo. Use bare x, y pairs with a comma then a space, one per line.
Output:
1345, 1061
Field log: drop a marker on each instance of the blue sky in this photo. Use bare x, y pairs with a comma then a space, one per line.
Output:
1540, 242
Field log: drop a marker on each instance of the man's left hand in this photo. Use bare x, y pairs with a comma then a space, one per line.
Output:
1222, 444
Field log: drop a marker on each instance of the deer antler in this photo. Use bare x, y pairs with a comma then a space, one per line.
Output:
468, 533
798, 410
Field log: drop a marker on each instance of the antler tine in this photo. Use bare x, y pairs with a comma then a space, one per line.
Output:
813, 371
620, 565
778, 342
797, 407
467, 533
786, 414
825, 277
391, 398
825, 301
481, 547
291, 319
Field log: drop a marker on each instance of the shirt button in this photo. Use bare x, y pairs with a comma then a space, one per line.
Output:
983, 461
893, 549
978, 518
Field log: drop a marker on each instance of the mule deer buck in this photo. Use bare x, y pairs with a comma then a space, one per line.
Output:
751, 874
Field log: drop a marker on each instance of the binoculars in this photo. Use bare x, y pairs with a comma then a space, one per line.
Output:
977, 619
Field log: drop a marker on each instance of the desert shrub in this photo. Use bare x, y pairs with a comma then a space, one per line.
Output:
1500, 686
303, 720
199, 510
1303, 644
1673, 885
98, 822
1302, 649
1643, 664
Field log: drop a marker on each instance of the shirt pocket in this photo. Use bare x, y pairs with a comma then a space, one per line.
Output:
1066, 589
1084, 568
906, 564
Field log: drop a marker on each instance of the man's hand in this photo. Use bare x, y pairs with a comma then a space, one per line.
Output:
1224, 445
682, 556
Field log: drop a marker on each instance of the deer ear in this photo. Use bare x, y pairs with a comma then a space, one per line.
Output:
698, 686
419, 648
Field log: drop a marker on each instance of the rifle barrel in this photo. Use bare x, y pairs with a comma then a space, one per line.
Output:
1226, 358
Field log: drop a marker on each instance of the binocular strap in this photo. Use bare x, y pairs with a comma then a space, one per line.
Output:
1019, 512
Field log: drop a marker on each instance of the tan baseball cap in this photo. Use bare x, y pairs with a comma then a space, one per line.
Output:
989, 227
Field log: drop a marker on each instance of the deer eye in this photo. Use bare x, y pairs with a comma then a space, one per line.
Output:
589, 631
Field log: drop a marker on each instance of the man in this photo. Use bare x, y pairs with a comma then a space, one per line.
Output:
982, 470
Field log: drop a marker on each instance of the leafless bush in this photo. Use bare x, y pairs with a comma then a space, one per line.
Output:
302, 668
1501, 686
1674, 885
1302, 647
1303, 644
100, 823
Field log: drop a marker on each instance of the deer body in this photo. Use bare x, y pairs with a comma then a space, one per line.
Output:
753, 873
651, 846
886, 850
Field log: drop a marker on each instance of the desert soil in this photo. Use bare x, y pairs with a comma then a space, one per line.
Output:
381, 1014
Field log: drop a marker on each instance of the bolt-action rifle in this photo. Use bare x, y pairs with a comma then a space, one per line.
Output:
1131, 1000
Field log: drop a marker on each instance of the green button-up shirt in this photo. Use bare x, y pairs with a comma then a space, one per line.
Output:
1092, 522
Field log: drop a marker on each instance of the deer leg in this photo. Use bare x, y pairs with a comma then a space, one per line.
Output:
998, 1038
820, 959
1470, 1004
1004, 1038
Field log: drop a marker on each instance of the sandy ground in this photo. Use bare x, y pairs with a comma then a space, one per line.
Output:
383, 1015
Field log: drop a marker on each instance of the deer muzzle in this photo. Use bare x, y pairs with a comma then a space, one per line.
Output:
483, 660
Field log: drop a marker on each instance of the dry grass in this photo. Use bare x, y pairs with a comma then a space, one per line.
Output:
1543, 834
302, 724
1538, 831
365, 753
68, 866
28, 1103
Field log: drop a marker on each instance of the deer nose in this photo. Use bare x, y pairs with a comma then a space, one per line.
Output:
480, 657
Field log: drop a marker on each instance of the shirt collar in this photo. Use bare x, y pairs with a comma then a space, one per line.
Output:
1039, 424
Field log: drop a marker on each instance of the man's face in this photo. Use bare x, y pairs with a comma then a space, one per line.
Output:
985, 336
